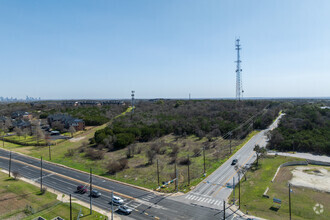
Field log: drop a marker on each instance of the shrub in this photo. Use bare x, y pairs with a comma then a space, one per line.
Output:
94, 154
70, 153
184, 161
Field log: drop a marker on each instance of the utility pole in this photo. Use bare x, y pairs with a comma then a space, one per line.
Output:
50, 154
230, 141
204, 159
176, 177
157, 172
90, 190
239, 191
41, 174
234, 190
188, 171
224, 209
70, 208
9, 169
112, 205
290, 200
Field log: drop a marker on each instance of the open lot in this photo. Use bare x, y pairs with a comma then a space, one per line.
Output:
303, 200
21, 200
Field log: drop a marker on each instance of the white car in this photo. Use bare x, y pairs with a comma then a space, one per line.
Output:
117, 200
125, 209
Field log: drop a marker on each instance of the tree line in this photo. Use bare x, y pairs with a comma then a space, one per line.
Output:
304, 128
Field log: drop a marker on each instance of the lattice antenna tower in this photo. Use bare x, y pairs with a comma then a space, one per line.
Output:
239, 87
132, 101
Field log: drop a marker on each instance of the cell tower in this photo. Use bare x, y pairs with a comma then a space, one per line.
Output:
239, 87
132, 101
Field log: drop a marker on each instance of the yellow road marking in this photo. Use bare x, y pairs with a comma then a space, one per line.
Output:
234, 173
70, 178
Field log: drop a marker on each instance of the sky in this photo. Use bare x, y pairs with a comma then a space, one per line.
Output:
103, 49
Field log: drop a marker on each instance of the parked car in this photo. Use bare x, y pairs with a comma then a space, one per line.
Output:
125, 209
234, 162
95, 193
81, 189
117, 200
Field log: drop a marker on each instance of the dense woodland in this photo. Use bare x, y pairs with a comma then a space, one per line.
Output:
203, 118
305, 128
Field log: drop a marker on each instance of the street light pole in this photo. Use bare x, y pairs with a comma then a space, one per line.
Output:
50, 153
239, 191
9, 169
157, 172
188, 171
70, 208
90, 190
290, 200
224, 209
204, 159
41, 174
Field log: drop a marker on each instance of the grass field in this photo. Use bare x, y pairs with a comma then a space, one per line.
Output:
21, 200
302, 199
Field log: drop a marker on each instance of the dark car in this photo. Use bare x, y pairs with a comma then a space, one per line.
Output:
234, 162
95, 193
81, 189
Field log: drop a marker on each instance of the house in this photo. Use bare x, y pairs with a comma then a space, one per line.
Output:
19, 123
67, 121
21, 115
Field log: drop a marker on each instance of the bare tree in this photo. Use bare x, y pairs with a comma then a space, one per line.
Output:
18, 132
72, 130
259, 152
15, 174
151, 154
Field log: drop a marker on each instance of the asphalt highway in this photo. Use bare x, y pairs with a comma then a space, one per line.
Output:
145, 204
217, 187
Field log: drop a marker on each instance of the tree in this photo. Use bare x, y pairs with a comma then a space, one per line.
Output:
151, 154
72, 130
18, 132
15, 174
259, 152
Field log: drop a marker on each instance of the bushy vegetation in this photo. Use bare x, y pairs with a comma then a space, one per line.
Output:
202, 118
92, 115
305, 128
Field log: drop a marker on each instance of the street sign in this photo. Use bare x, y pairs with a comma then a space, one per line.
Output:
278, 201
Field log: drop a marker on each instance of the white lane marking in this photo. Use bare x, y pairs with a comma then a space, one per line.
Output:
220, 203
202, 199
188, 197
199, 199
192, 198
212, 201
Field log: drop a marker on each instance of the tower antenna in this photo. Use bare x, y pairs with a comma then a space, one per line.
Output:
239, 87
132, 101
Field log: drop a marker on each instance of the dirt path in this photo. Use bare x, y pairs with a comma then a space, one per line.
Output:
317, 178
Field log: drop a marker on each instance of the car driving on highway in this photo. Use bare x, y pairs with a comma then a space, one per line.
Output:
117, 200
95, 193
81, 189
234, 162
125, 209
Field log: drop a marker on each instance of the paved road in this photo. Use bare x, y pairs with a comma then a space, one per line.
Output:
215, 188
303, 156
146, 204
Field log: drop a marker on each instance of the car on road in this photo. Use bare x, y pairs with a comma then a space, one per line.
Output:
81, 189
234, 162
125, 209
117, 200
95, 193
